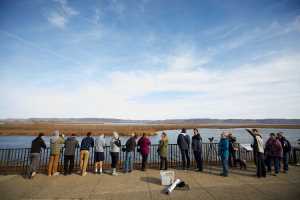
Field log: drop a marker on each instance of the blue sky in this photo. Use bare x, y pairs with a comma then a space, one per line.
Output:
150, 59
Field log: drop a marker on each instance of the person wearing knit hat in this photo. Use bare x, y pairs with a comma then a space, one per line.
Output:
56, 142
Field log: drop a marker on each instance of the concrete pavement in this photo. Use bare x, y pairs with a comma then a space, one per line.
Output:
139, 185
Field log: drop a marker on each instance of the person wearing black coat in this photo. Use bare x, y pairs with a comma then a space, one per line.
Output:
183, 142
286, 146
197, 149
36, 147
129, 149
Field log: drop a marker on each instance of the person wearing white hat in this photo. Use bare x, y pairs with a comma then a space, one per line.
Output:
115, 145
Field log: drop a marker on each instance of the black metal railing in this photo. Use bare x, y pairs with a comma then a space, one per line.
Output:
16, 160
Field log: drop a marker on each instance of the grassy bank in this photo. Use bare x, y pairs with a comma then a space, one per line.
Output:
122, 129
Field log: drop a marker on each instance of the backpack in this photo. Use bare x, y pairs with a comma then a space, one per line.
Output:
286, 145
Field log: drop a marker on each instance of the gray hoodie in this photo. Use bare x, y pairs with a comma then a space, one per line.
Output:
99, 144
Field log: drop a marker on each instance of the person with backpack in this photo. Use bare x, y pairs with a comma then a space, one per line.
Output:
129, 153
36, 146
286, 147
273, 152
86, 144
144, 148
163, 151
71, 144
197, 149
258, 150
115, 145
183, 142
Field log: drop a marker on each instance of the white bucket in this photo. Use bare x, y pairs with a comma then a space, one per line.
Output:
167, 177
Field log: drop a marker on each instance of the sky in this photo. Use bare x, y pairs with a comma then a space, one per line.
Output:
150, 59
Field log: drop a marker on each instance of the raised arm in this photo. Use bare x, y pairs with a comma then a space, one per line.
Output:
250, 131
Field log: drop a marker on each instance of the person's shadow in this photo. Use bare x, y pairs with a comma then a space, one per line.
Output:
152, 180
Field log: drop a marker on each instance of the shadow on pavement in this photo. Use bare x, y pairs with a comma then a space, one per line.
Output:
152, 180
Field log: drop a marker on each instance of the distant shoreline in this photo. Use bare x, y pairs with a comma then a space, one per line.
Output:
123, 129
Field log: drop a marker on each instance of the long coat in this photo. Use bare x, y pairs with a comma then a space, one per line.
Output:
144, 144
224, 148
163, 148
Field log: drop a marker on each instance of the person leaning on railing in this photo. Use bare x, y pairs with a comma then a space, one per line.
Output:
36, 146
71, 143
56, 142
163, 151
99, 153
86, 144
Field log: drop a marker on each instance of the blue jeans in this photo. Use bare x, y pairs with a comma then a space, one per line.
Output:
285, 160
128, 164
276, 161
225, 166
277, 164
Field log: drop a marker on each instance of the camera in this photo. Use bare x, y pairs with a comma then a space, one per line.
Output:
211, 139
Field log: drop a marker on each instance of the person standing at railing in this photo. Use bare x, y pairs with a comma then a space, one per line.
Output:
99, 153
233, 148
144, 148
258, 150
115, 145
223, 149
163, 151
71, 143
129, 153
56, 142
36, 146
86, 144
286, 146
183, 142
197, 149
273, 152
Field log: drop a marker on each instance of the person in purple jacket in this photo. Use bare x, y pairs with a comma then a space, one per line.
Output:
273, 151
144, 148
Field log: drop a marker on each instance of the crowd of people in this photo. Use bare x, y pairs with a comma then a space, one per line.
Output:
275, 150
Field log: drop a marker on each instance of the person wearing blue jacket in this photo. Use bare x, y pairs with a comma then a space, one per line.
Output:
224, 153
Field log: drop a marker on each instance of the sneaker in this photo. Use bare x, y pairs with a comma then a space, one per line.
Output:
56, 174
84, 174
114, 174
96, 171
33, 174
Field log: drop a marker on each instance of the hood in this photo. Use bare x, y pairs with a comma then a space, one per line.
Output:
55, 136
184, 134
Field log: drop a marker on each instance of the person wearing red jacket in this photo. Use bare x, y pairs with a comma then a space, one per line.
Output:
144, 148
273, 152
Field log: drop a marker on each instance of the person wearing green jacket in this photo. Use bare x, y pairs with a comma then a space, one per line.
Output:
163, 151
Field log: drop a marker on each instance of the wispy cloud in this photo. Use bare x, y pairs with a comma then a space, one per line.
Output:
212, 93
33, 45
62, 14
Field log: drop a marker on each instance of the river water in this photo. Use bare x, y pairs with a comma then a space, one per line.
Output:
242, 137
